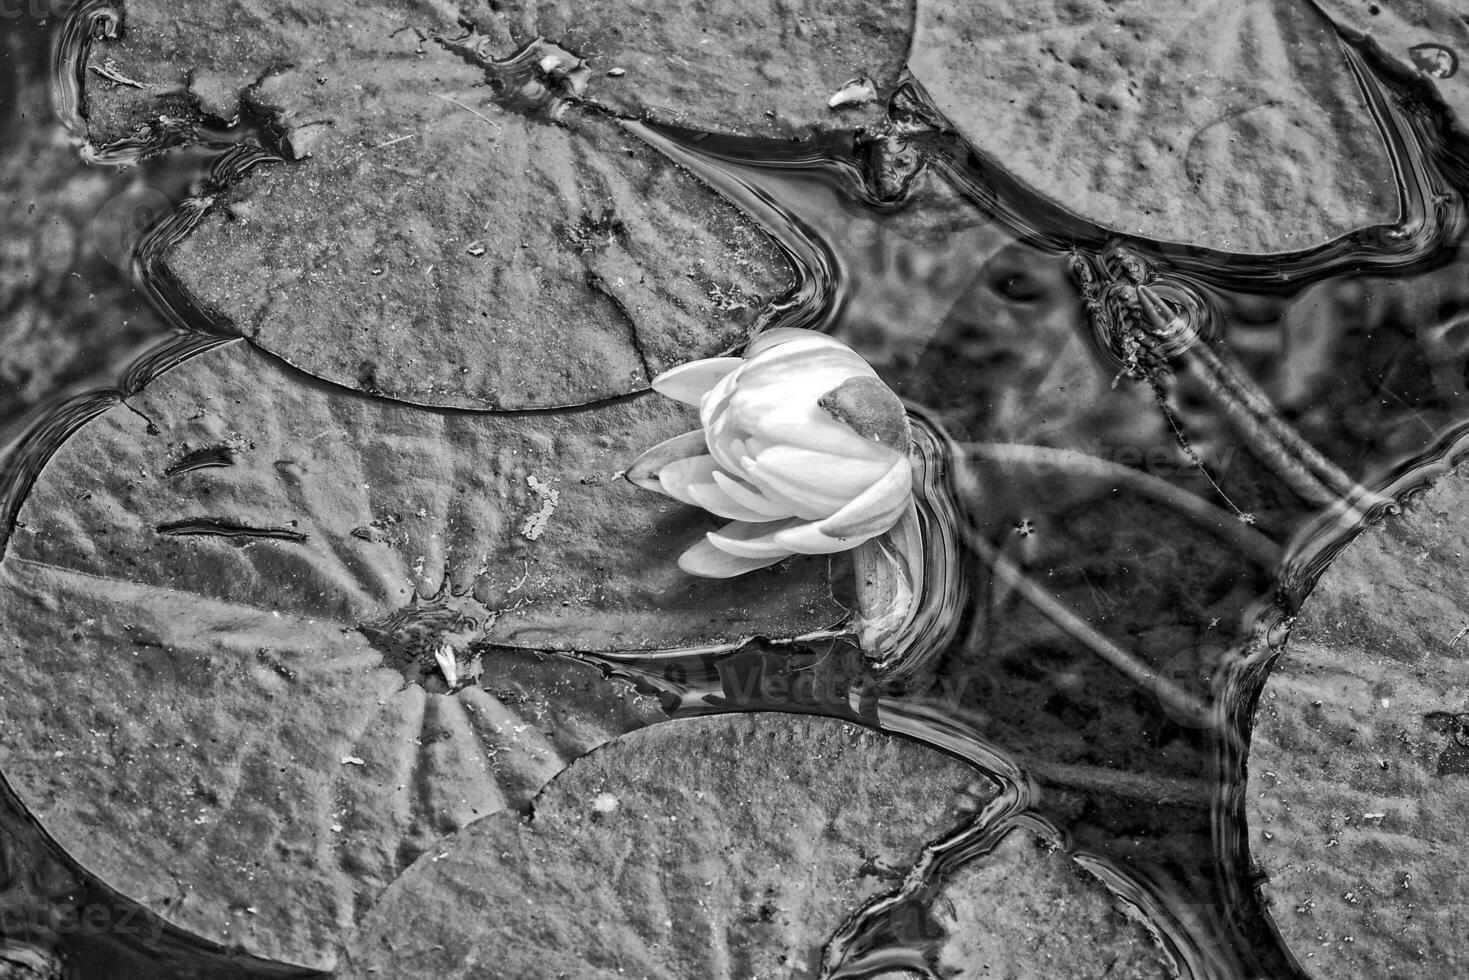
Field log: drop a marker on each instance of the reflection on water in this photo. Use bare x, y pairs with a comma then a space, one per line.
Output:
1150, 451
1135, 458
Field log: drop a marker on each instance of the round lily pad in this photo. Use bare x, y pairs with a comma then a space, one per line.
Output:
448, 233
1359, 763
751, 67
256, 779
1238, 126
673, 853
269, 639
1026, 911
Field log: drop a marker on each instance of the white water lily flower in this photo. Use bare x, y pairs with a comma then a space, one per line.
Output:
803, 448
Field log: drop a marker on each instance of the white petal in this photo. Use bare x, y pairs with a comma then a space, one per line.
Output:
707, 561
677, 476
751, 497
813, 348
750, 540
717, 399
689, 382
645, 469
808, 540
814, 352
878, 507
808, 427
797, 373
724, 440
835, 476
713, 499
770, 491
783, 335
807, 504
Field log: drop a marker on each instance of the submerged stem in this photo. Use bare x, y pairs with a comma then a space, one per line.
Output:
1279, 445
1179, 703
1258, 437
1259, 548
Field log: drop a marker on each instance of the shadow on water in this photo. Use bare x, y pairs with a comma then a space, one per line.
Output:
1136, 457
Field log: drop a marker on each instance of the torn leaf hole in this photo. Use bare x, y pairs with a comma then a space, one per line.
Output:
223, 528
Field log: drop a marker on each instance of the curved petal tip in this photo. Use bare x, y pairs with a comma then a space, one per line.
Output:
707, 561
645, 469
689, 382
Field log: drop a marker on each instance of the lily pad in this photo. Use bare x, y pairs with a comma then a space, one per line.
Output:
1025, 910
223, 602
437, 239
1431, 36
1359, 771
670, 853
751, 67
1237, 125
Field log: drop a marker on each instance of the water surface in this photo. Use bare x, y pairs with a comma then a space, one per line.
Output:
1135, 457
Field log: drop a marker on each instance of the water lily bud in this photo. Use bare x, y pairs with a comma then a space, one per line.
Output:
803, 448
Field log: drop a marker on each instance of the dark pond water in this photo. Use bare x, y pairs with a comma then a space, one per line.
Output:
1135, 457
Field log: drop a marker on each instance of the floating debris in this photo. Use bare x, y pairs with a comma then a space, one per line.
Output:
392, 142
302, 141
856, 91
432, 637
1435, 60
541, 78
466, 108
535, 524
448, 665
110, 73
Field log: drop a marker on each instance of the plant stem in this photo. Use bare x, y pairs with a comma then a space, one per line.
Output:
1183, 706
1317, 479
1252, 543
